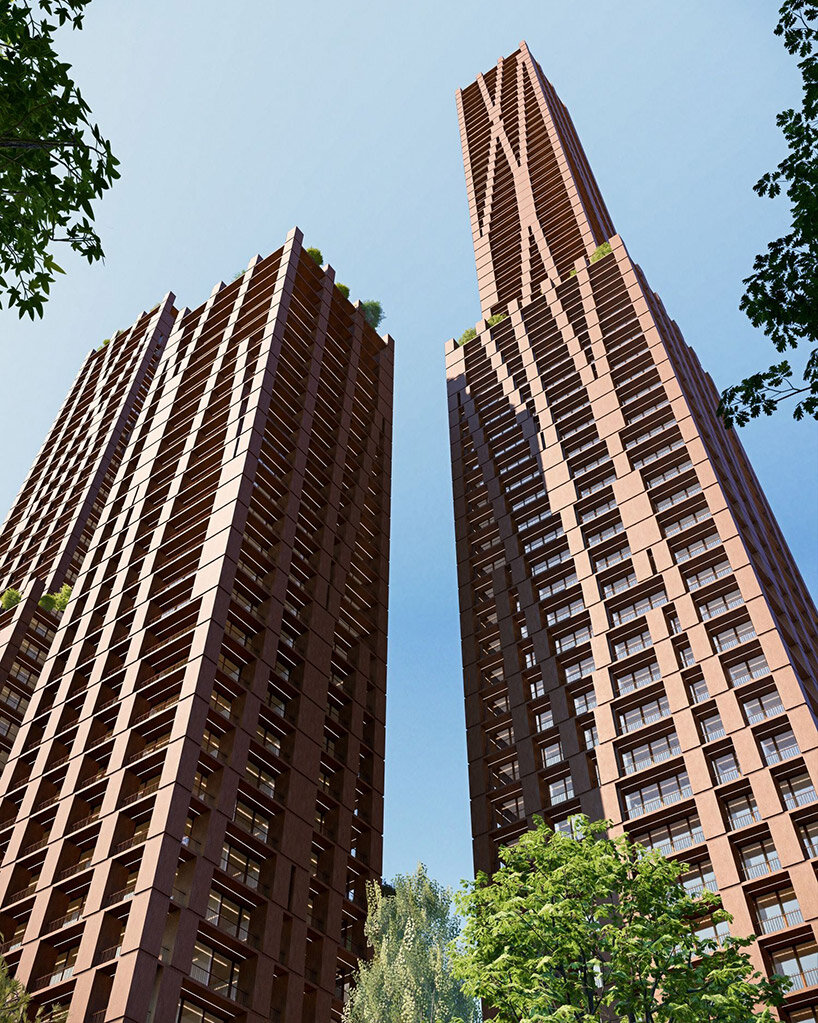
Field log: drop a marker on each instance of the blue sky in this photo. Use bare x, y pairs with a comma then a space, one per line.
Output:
236, 121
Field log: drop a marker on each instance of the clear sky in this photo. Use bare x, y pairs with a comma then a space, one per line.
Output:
235, 121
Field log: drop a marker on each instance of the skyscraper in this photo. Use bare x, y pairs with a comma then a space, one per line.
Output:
637, 641
191, 802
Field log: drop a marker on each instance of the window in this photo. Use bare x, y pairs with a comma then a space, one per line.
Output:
627, 612
643, 714
228, 915
808, 833
267, 737
686, 521
264, 780
758, 858
697, 689
571, 639
537, 689
565, 611
505, 774
740, 811
509, 811
758, 708
190, 1013
708, 575
711, 727
252, 820
637, 678
669, 838
560, 790
584, 702
651, 752
557, 586
656, 794
552, 754
699, 878
503, 738
612, 558
725, 767
777, 910
718, 605
631, 644
696, 547
708, 930
240, 864
215, 969
779, 746
744, 671
543, 720
684, 654
614, 586
799, 963
497, 706
590, 739
733, 636
797, 790
579, 670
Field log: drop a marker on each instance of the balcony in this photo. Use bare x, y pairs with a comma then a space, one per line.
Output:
640, 809
800, 980
631, 767
226, 988
789, 918
753, 870
795, 799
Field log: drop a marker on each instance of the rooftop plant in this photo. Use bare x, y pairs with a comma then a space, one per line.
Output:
373, 312
600, 251
316, 255
56, 601
467, 335
497, 318
10, 598
344, 289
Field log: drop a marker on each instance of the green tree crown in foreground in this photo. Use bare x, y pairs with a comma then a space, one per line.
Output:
595, 930
409, 979
53, 161
782, 291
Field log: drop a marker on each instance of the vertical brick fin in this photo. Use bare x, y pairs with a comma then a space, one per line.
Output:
638, 644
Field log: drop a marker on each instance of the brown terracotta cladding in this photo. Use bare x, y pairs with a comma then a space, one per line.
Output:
637, 641
193, 803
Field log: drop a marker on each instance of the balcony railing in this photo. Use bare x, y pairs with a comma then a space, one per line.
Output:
743, 819
225, 988
631, 767
801, 979
777, 923
768, 866
793, 799
639, 809
775, 756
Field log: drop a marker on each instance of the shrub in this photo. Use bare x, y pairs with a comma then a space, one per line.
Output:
9, 599
316, 255
373, 312
600, 251
467, 335
344, 289
497, 318
56, 601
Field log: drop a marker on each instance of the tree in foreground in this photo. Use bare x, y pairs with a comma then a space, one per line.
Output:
15, 1003
53, 161
409, 979
595, 930
782, 291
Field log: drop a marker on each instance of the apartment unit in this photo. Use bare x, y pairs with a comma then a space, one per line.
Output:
637, 641
191, 801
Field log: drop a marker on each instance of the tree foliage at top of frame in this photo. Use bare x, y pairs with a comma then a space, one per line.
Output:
53, 160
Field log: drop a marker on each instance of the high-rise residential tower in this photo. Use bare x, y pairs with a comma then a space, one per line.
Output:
637, 641
192, 797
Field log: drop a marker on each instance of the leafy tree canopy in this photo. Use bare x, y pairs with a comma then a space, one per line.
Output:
53, 161
373, 312
596, 930
316, 255
782, 291
409, 979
